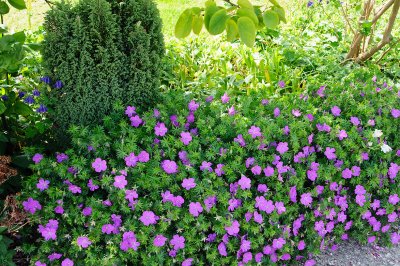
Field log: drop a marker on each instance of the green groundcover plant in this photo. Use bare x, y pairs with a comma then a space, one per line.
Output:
222, 180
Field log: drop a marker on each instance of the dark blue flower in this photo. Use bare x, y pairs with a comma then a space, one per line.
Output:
58, 84
29, 100
41, 109
36, 92
45, 79
4, 98
21, 94
310, 3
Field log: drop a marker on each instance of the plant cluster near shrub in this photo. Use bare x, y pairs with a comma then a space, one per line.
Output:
223, 180
102, 51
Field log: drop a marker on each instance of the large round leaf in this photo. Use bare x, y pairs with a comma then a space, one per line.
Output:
281, 13
197, 24
218, 22
231, 30
184, 25
18, 4
245, 3
247, 31
271, 19
4, 8
211, 9
247, 12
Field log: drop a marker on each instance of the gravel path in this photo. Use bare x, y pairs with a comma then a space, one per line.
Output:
352, 253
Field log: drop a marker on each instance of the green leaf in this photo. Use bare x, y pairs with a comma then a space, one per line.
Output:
3, 108
196, 11
19, 36
271, 19
247, 31
184, 25
4, 8
22, 109
245, 3
231, 30
274, 2
247, 12
211, 9
3, 28
281, 13
197, 24
218, 22
2, 229
18, 4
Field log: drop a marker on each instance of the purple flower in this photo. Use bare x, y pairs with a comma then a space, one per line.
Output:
59, 210
209, 99
178, 242
43, 184
355, 121
41, 109
264, 205
335, 110
129, 241
395, 113
67, 262
62, 157
296, 113
186, 138
277, 112
233, 229
187, 262
107, 229
312, 175
159, 240
393, 199
31, 205
231, 111
210, 202
222, 249
269, 171
247, 257
195, 208
359, 190
188, 183
306, 199
393, 170
37, 158
54, 256
255, 132
280, 207
395, 238
160, 129
244, 182
278, 243
239, 139
143, 157
39, 263
342, 134
99, 165
330, 153
87, 211
131, 160
218, 170
347, 173
256, 170
193, 106
83, 241
58, 84
130, 111
49, 231
293, 194
148, 218
92, 187
136, 121
225, 98
281, 84
258, 217
360, 200
206, 166
170, 167
120, 181
282, 147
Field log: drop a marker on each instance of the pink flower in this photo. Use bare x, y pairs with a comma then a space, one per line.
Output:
280, 207
395, 113
233, 229
148, 218
222, 249
258, 217
131, 160
225, 98
268, 171
193, 106
255, 132
143, 157
296, 113
335, 111
330, 153
395, 238
342, 134
256, 170
160, 129
170, 167
231, 111
187, 262
31, 205
359, 190
278, 243
37, 158
277, 112
120, 182
178, 242
43, 184
247, 257
67, 262
186, 138
281, 84
130, 110
136, 121
355, 121
159, 240
244, 182
99, 165
83, 241
306, 199
282, 147
301, 245
394, 199
347, 173
188, 183
312, 175
195, 209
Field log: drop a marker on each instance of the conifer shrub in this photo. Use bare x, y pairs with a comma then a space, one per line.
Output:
97, 52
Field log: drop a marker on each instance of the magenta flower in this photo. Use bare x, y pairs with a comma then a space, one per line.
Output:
356, 171
219, 170
130, 111
129, 241
39, 263
178, 242
159, 240
282, 147
347, 173
258, 217
195, 209
49, 231
120, 181
170, 167
296, 113
342, 134
330, 153
186, 138
108, 229
277, 112
280, 207
278, 243
393, 199
355, 121
393, 170
136, 121
148, 218
206, 166
281, 84
87, 211
222, 249
43, 184
359, 190
244, 182
231, 111
312, 175
131, 160
59, 210
395, 113
31, 205
233, 229
143, 157
269, 171
187, 262
91, 186
193, 106
306, 199
247, 257
256, 170
37, 158
225, 98
264, 205
61, 157
360, 200
255, 132
67, 262
293, 194
301, 245
335, 111
99, 165
160, 129
83, 241
188, 183
54, 256
395, 238
239, 139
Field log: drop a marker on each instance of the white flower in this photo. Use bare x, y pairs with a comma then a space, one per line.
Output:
370, 144
377, 133
386, 148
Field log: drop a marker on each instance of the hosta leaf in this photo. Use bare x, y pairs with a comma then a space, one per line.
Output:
271, 19
247, 12
197, 24
218, 22
18, 4
247, 31
231, 30
183, 26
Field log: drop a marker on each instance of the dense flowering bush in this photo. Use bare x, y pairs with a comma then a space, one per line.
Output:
223, 181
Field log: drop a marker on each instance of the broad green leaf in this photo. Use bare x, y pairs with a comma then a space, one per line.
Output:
218, 22
3, 108
183, 26
231, 30
22, 109
271, 19
281, 13
196, 11
274, 2
4, 8
197, 24
19, 36
18, 4
211, 9
247, 31
246, 12
245, 3
3, 28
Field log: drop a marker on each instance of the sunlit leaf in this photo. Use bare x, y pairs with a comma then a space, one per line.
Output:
247, 31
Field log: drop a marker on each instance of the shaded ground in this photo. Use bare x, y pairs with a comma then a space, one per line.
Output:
351, 253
